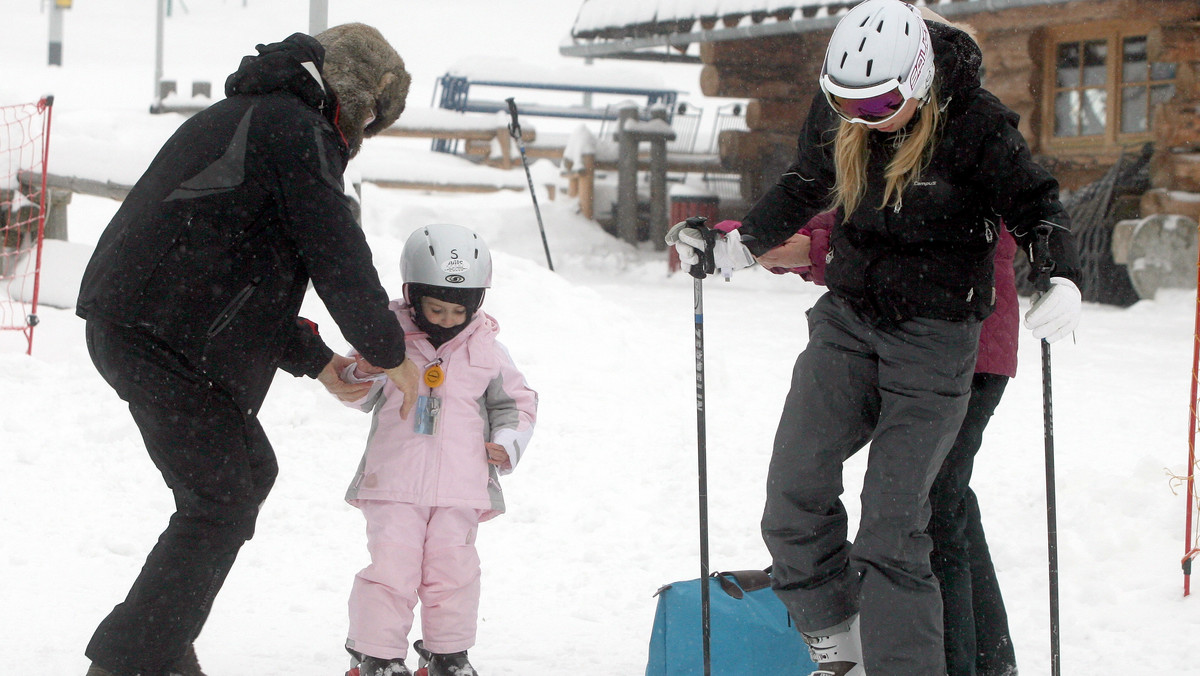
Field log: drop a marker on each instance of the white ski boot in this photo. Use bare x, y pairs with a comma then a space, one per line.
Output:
837, 651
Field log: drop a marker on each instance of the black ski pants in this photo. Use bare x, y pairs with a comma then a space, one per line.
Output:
219, 466
977, 639
903, 388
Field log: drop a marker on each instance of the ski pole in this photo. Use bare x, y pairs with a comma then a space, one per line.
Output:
702, 462
1043, 266
514, 130
698, 272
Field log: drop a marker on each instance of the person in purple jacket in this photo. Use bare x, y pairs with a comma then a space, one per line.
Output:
425, 484
975, 624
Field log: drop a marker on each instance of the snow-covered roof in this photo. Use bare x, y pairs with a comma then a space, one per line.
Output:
631, 18
627, 28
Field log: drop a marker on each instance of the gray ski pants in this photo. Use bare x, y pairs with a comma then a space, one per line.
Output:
903, 388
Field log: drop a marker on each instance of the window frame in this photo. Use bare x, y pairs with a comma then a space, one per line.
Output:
1113, 34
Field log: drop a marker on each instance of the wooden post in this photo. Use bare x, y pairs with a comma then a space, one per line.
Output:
503, 137
627, 193
587, 187
56, 213
658, 183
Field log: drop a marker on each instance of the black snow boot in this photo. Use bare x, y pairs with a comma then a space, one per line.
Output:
445, 664
187, 665
365, 665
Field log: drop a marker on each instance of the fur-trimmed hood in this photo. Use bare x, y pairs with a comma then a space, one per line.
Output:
368, 77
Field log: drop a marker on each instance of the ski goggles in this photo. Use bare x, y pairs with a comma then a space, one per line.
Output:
866, 105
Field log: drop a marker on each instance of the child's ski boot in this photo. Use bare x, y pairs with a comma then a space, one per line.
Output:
365, 665
437, 664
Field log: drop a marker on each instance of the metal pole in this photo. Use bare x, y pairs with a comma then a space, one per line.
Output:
56, 35
702, 462
1190, 552
318, 16
1051, 510
1043, 266
158, 52
514, 130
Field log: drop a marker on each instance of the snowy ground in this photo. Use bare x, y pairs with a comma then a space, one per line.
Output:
603, 509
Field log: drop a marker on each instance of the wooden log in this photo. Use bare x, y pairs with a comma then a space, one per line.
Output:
794, 50
86, 186
1177, 43
777, 115
1177, 171
1162, 201
741, 150
748, 84
1177, 125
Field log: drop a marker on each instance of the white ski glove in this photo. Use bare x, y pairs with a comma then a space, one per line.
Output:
1056, 313
705, 250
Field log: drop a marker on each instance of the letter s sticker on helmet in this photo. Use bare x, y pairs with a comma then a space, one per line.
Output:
455, 279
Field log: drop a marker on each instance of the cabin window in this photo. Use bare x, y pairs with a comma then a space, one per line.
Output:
1104, 86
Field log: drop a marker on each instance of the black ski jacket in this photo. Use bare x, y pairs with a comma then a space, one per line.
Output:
932, 256
214, 248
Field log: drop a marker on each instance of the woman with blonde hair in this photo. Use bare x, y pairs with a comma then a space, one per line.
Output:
923, 166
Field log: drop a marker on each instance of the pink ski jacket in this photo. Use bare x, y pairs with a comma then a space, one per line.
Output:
484, 398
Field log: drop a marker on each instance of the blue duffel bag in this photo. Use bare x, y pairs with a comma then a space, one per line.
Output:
750, 631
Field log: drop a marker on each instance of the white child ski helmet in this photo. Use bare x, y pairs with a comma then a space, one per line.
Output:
446, 255
880, 50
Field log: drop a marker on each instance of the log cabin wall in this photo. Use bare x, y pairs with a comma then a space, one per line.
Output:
779, 76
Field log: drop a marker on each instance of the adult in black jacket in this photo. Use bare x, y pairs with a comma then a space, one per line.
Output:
192, 301
923, 164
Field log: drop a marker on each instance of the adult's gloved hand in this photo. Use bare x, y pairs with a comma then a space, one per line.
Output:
1056, 313
706, 250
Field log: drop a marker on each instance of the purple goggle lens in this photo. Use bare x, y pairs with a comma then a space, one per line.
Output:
871, 110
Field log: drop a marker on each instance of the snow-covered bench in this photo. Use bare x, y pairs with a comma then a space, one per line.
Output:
484, 135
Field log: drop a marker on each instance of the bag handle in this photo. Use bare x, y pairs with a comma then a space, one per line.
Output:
736, 583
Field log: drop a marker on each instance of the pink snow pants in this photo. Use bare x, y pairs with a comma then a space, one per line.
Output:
417, 553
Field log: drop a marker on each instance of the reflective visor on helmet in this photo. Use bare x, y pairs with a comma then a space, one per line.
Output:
866, 105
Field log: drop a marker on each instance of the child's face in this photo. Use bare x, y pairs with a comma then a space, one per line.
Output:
443, 314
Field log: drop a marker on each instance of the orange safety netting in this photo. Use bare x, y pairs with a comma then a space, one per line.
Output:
24, 141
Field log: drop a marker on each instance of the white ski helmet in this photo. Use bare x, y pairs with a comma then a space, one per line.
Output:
448, 256
879, 50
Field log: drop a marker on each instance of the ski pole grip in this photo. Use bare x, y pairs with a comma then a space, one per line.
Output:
707, 264
514, 129
1042, 264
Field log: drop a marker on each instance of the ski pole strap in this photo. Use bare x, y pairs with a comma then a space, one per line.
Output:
514, 128
1042, 264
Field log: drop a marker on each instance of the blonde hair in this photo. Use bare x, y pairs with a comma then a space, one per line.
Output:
850, 154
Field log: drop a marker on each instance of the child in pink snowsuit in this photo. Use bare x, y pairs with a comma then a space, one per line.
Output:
425, 483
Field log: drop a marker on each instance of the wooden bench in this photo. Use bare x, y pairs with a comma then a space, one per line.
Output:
481, 133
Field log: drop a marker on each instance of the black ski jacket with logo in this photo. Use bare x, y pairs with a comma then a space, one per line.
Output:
215, 246
932, 256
